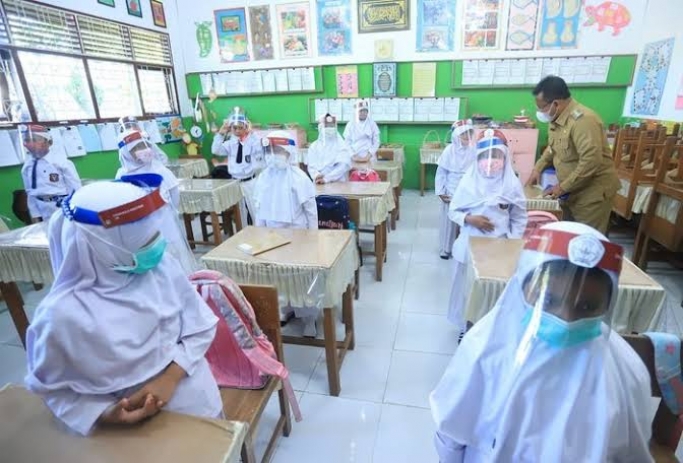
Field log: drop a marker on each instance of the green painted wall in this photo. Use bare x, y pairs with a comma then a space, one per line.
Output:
500, 103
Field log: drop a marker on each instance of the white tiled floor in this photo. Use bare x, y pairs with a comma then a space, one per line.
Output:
403, 345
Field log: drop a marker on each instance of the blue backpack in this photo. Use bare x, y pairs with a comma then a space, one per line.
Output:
333, 213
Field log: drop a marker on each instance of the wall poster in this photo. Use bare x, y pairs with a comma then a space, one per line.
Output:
651, 77
522, 18
384, 80
383, 15
295, 32
347, 81
261, 32
435, 24
334, 27
231, 28
559, 24
482, 24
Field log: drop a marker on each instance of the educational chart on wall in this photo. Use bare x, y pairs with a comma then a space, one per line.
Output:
384, 79
383, 15
482, 24
204, 36
347, 81
261, 32
424, 79
389, 110
522, 17
231, 28
295, 33
334, 27
299, 79
559, 24
435, 24
651, 77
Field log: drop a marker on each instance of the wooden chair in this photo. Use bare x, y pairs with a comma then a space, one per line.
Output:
663, 444
248, 405
654, 226
228, 222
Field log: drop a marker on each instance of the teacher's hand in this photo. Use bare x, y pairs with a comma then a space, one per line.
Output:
534, 178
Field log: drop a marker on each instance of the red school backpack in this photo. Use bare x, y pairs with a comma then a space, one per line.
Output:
364, 175
241, 356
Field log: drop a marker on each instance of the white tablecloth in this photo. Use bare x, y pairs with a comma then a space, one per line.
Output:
25, 255
374, 207
430, 155
189, 168
204, 195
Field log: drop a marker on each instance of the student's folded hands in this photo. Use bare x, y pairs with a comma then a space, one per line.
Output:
123, 412
481, 222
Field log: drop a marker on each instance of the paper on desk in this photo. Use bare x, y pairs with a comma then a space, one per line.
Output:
256, 246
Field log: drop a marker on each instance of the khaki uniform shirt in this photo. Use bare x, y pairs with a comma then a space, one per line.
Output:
578, 149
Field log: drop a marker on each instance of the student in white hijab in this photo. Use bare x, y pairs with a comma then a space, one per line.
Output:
329, 157
284, 195
137, 156
131, 124
362, 135
122, 333
456, 158
542, 377
47, 178
490, 202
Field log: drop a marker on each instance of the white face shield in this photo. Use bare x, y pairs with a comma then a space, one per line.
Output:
362, 111
462, 134
492, 154
328, 129
135, 148
36, 141
279, 149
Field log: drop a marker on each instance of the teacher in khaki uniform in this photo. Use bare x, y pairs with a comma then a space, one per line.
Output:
578, 149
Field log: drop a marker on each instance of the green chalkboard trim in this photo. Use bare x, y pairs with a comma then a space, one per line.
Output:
621, 73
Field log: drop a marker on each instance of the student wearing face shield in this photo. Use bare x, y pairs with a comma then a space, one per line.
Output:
129, 124
284, 196
490, 202
579, 152
452, 165
122, 334
362, 135
329, 157
542, 377
243, 153
47, 180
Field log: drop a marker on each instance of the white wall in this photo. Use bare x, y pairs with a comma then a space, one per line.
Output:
663, 21
591, 42
120, 14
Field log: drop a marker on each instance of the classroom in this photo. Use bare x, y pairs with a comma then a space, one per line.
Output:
326, 231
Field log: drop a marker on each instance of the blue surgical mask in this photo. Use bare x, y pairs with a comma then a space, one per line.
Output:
146, 258
562, 334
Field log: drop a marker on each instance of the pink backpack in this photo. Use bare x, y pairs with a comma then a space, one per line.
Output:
364, 175
536, 219
241, 356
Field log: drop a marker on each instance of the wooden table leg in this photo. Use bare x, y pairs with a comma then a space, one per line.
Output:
187, 218
237, 216
331, 352
15, 304
422, 179
347, 316
216, 225
227, 227
202, 223
385, 239
379, 258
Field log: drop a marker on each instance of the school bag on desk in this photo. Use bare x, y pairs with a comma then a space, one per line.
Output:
334, 214
241, 356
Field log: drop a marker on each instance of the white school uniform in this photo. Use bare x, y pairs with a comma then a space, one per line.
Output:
245, 171
510, 397
54, 179
329, 156
100, 334
452, 165
363, 138
285, 198
503, 202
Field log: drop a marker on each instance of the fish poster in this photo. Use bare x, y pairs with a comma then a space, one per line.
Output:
295, 32
651, 77
559, 23
435, 24
482, 24
522, 18
334, 27
384, 80
231, 28
261, 32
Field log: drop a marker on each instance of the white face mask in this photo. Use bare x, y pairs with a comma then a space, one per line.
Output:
280, 161
330, 131
545, 117
145, 155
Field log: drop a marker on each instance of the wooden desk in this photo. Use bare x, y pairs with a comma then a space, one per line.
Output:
29, 433
392, 172
189, 168
375, 201
210, 198
327, 258
392, 152
492, 262
427, 156
535, 201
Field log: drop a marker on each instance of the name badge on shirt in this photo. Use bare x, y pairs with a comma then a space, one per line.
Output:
247, 158
54, 178
504, 207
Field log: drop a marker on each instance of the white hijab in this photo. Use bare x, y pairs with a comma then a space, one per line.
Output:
456, 157
328, 150
99, 331
131, 166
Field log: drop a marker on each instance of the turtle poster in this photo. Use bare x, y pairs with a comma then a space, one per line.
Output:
559, 24
334, 27
435, 23
651, 77
261, 32
295, 32
231, 28
384, 80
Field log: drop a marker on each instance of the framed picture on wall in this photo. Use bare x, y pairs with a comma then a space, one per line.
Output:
107, 2
134, 8
158, 13
383, 15
384, 80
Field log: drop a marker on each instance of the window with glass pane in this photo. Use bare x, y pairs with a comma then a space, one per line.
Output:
116, 90
13, 107
58, 86
157, 89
